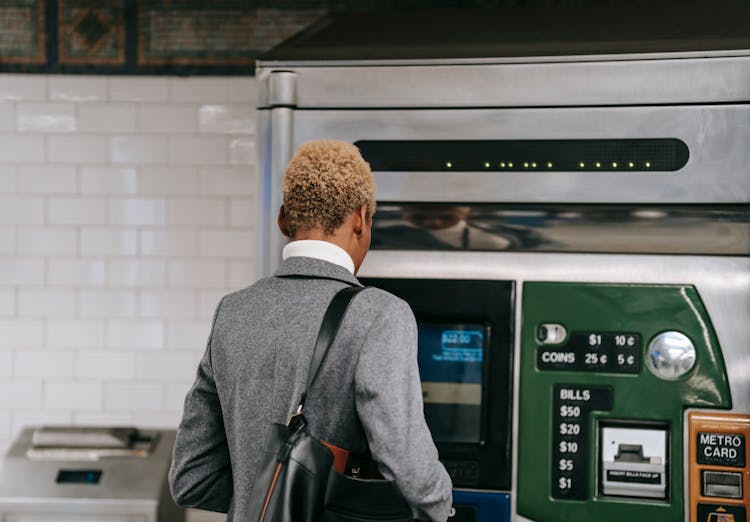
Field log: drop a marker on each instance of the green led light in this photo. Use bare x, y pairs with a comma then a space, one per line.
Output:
598, 165
502, 164
486, 164
648, 164
533, 165
510, 165
525, 165
582, 164
614, 164
549, 165
631, 164
448, 164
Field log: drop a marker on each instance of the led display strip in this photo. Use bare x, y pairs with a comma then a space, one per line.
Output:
600, 155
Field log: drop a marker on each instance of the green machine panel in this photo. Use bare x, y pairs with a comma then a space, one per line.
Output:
607, 371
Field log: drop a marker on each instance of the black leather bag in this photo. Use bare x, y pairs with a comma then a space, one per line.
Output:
296, 481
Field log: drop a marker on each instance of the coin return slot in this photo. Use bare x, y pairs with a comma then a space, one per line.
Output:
722, 484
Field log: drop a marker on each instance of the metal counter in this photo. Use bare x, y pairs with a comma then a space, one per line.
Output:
55, 484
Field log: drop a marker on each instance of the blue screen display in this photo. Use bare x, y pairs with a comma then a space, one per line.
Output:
451, 353
451, 358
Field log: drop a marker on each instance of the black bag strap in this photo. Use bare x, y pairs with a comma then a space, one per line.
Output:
329, 327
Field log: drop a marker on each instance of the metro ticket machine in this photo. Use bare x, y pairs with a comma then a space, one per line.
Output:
569, 219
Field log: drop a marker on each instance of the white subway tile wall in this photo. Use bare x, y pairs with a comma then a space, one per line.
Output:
19, 87
76, 271
47, 179
7, 118
75, 333
7, 240
77, 148
48, 241
106, 117
17, 210
140, 89
106, 302
77, 211
242, 151
7, 178
168, 181
76, 88
109, 241
22, 419
138, 149
45, 117
172, 119
73, 395
127, 209
6, 367
117, 181
109, 365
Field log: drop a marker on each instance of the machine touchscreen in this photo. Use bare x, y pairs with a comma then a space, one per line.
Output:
465, 329
450, 366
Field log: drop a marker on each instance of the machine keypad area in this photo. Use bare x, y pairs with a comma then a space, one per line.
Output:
465, 472
570, 449
594, 352
464, 514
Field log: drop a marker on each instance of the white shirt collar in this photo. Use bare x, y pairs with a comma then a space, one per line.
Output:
319, 250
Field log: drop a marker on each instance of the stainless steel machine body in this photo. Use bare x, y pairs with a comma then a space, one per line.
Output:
88, 483
701, 97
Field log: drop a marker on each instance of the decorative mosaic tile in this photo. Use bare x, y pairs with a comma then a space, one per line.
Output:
214, 37
215, 33
22, 39
91, 32
276, 25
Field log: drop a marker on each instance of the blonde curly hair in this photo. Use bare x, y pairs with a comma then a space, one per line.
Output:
324, 183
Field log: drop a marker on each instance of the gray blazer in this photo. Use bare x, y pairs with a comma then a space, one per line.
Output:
367, 394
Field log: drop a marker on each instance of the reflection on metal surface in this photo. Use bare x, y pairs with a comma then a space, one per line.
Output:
667, 229
670, 355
